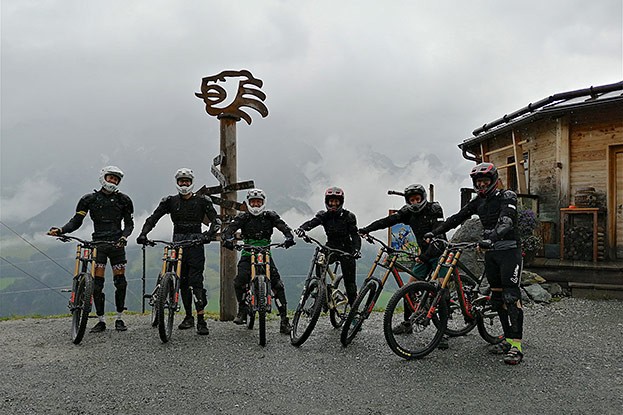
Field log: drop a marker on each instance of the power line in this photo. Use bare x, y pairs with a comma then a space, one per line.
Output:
37, 249
32, 276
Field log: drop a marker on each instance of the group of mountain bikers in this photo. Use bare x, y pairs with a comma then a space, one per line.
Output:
496, 209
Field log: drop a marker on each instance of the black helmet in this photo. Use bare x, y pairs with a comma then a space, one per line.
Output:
485, 170
415, 189
334, 193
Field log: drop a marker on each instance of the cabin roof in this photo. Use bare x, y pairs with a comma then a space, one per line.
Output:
554, 104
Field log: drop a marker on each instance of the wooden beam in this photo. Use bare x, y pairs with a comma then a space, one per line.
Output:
562, 161
519, 167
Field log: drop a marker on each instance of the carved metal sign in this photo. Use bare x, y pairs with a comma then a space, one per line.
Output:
247, 95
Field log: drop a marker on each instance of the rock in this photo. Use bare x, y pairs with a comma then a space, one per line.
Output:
538, 293
470, 231
554, 289
528, 278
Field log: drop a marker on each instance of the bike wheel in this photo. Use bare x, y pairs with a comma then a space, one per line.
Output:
424, 334
81, 307
250, 315
360, 311
307, 312
261, 308
153, 301
167, 306
340, 308
488, 321
460, 324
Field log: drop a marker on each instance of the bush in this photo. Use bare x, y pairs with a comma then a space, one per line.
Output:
527, 224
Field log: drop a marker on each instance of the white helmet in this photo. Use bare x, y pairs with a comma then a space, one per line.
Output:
256, 194
112, 170
185, 173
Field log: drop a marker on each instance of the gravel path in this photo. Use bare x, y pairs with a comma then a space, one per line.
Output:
573, 364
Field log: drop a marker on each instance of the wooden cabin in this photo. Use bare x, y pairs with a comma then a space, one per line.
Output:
564, 156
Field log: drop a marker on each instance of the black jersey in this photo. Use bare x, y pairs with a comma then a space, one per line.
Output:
107, 210
187, 215
340, 227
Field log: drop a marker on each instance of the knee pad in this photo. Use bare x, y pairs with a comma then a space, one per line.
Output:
98, 286
511, 295
201, 298
119, 281
277, 285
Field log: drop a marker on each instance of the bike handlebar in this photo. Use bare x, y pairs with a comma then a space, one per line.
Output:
256, 248
395, 192
69, 238
371, 239
178, 244
324, 247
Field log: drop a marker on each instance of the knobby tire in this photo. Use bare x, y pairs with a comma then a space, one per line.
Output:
338, 314
166, 307
488, 322
359, 312
307, 311
426, 333
82, 307
458, 323
261, 307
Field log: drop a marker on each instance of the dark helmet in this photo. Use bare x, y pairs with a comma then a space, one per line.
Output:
334, 193
485, 170
415, 189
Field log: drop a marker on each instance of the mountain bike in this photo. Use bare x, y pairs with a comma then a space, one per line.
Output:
318, 294
431, 304
370, 292
164, 299
81, 300
258, 294
388, 258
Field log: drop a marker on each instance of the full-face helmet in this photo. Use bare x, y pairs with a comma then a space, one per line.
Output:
334, 193
257, 194
415, 189
185, 173
113, 171
485, 170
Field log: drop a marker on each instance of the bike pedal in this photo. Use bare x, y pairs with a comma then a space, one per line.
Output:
147, 296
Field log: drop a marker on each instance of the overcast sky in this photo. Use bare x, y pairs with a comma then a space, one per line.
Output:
90, 83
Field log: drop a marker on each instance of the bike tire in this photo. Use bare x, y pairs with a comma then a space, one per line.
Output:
82, 307
307, 312
460, 324
488, 321
167, 306
360, 311
154, 305
261, 308
250, 315
425, 335
338, 314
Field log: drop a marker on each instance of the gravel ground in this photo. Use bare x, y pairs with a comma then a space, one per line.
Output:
573, 365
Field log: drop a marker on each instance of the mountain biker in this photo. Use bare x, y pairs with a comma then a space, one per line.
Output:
422, 216
187, 211
256, 228
107, 207
340, 226
497, 210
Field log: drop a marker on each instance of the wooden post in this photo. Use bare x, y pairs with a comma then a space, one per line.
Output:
248, 95
228, 257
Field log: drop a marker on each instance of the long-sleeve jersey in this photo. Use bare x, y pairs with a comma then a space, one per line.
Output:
107, 210
421, 222
257, 229
187, 215
340, 228
498, 215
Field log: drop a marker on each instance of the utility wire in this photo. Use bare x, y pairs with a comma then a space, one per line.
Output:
32, 276
37, 249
